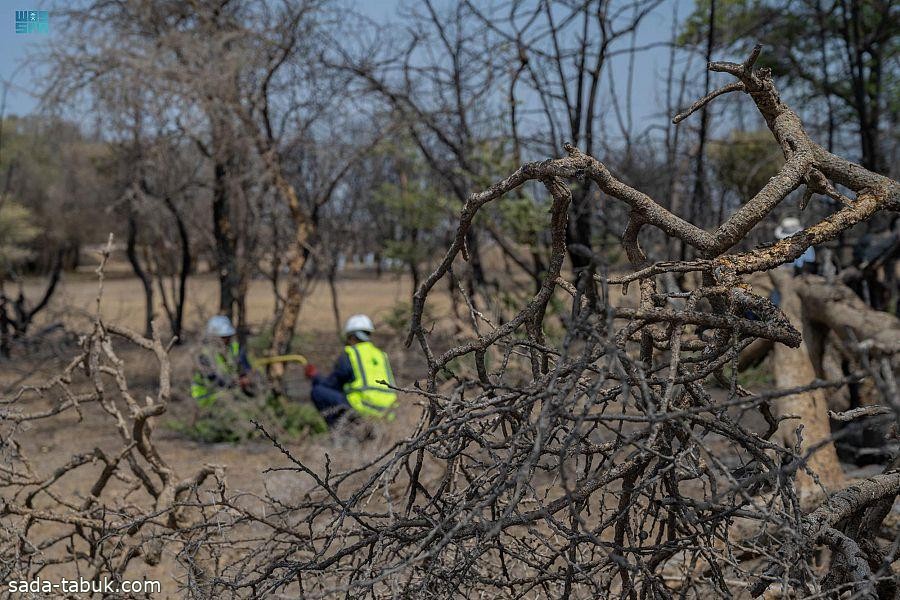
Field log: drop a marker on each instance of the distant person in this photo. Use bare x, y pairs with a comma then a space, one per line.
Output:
806, 262
221, 365
355, 381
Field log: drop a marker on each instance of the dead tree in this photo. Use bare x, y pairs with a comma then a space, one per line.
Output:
563, 54
17, 313
131, 508
600, 464
593, 463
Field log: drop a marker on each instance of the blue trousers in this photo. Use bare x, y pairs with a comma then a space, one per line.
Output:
330, 402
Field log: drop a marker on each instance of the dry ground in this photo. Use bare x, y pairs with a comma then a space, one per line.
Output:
52, 442
123, 299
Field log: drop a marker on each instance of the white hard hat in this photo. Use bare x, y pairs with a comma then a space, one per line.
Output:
359, 324
220, 326
788, 227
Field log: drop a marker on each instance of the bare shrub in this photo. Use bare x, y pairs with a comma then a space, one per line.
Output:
599, 464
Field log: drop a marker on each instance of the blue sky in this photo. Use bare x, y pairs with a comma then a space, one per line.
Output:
13, 50
22, 77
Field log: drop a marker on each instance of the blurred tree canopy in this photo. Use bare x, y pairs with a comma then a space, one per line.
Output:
844, 53
414, 208
16, 232
50, 168
251, 139
744, 162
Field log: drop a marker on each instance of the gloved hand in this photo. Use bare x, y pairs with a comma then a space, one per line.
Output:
310, 371
244, 380
246, 384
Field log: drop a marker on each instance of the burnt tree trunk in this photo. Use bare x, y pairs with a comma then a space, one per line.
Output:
184, 270
142, 275
578, 241
226, 244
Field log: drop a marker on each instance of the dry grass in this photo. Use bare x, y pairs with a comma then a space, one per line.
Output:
55, 441
123, 300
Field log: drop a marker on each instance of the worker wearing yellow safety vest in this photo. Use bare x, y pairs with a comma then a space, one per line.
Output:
221, 364
361, 379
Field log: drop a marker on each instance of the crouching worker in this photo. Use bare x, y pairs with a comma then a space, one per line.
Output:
222, 365
355, 385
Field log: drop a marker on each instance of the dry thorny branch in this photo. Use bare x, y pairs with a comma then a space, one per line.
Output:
599, 464
135, 497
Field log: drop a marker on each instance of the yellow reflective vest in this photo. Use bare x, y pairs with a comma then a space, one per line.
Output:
215, 370
366, 394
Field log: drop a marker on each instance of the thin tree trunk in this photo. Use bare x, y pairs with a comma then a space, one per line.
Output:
142, 275
159, 272
700, 195
180, 293
823, 56
5, 328
578, 233
477, 279
453, 291
240, 306
223, 232
416, 276
277, 253
332, 287
303, 229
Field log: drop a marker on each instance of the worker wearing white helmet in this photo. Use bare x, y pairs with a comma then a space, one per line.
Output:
805, 263
221, 364
790, 226
361, 379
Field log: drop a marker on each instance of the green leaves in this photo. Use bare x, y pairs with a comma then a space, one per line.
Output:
523, 218
744, 162
841, 50
16, 232
734, 19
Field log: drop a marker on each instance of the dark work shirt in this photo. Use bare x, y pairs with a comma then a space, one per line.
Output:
341, 375
244, 362
212, 371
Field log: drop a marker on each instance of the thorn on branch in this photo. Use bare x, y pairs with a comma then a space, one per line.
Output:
804, 201
754, 55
